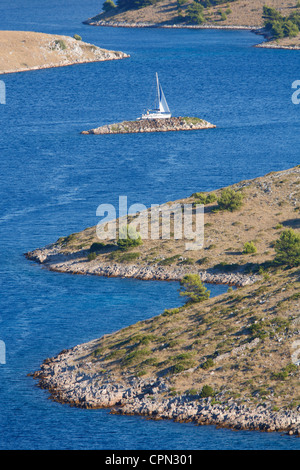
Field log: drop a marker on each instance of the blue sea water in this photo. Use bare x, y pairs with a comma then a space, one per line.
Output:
53, 179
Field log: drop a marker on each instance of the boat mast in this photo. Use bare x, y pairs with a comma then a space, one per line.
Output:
158, 93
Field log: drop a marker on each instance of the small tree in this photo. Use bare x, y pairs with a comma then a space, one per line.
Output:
128, 238
290, 29
287, 248
194, 13
271, 14
108, 5
193, 289
207, 391
249, 248
92, 256
230, 200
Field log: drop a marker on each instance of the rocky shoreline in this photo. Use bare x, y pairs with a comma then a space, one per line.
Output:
242, 346
268, 44
54, 260
152, 125
72, 381
124, 24
274, 45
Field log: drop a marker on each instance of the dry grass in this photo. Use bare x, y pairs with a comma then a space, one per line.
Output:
270, 204
179, 342
244, 12
26, 50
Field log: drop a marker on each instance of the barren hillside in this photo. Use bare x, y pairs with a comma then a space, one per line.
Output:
23, 50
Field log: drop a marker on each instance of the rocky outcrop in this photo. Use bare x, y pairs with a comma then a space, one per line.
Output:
76, 263
152, 125
72, 381
96, 21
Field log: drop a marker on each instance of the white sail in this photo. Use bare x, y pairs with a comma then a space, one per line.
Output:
161, 110
163, 105
162, 102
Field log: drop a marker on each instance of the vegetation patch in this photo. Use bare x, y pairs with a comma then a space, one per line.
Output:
193, 289
288, 248
280, 26
249, 248
129, 238
230, 200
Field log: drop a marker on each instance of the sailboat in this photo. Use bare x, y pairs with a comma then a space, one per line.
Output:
162, 110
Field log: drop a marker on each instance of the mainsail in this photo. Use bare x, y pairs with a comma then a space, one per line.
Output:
163, 105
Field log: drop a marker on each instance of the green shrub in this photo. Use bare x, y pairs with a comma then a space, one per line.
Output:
249, 248
97, 246
151, 362
192, 391
282, 375
230, 200
259, 330
61, 44
77, 37
208, 363
210, 3
203, 198
194, 13
135, 356
290, 29
193, 289
203, 260
207, 391
97, 352
92, 256
187, 261
287, 248
168, 261
181, 366
281, 26
171, 311
108, 5
129, 257
128, 238
192, 120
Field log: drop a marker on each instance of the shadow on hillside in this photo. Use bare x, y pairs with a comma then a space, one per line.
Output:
292, 223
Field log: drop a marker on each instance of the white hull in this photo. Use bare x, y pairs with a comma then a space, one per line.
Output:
156, 116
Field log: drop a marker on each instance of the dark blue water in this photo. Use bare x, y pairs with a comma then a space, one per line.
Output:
53, 179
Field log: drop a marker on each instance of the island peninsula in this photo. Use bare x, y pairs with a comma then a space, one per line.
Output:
208, 14
231, 360
26, 50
